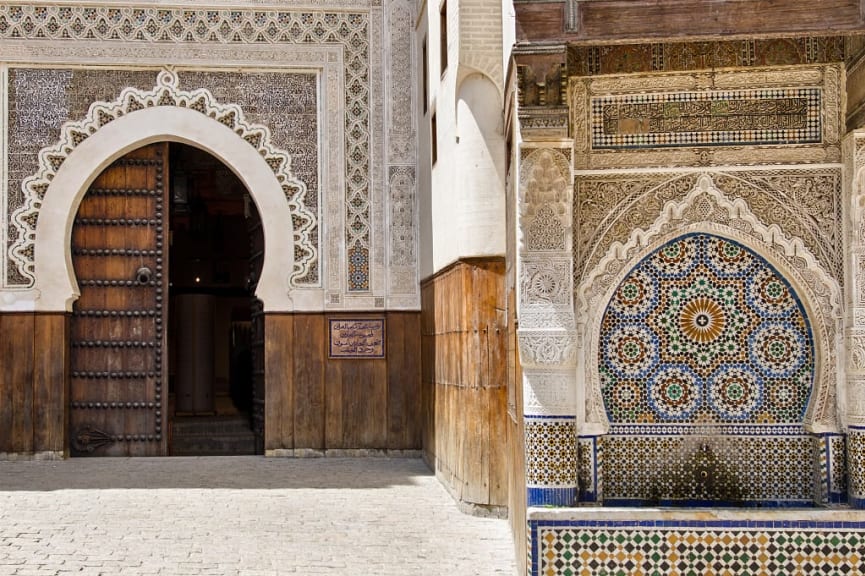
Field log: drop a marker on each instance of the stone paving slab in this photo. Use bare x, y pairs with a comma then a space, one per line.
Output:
243, 515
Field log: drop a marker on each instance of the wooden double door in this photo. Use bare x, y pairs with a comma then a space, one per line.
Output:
119, 358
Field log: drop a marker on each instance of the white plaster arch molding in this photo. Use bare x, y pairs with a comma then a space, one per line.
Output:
42, 250
707, 209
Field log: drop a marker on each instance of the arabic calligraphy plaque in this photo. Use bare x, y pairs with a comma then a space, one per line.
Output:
356, 338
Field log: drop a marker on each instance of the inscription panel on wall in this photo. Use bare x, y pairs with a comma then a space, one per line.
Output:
707, 118
356, 338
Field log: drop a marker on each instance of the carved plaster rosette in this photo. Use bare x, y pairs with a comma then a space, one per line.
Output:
546, 293
706, 208
165, 93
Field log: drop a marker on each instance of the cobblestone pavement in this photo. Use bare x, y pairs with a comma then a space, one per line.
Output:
240, 516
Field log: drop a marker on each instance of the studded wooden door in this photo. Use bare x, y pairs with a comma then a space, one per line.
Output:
117, 396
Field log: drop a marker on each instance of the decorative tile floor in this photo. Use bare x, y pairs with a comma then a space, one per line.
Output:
725, 546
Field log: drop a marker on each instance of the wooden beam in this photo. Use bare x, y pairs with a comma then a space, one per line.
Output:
642, 20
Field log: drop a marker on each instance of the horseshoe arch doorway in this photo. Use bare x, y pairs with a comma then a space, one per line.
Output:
167, 336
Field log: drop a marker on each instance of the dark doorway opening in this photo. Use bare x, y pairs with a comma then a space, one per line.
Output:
214, 321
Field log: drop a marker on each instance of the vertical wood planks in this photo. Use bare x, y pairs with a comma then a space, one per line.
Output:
33, 382
464, 393
16, 383
50, 382
319, 403
7, 383
404, 361
279, 381
309, 353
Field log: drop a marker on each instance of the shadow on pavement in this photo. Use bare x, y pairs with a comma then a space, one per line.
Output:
227, 472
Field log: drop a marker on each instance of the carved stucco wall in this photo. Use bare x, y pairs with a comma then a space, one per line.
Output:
781, 199
792, 204
854, 202
329, 81
705, 206
546, 335
751, 155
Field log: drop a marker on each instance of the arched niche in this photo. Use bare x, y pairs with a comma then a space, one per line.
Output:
672, 446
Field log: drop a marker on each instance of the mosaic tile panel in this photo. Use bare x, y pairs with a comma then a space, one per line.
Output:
682, 547
709, 118
239, 26
551, 454
830, 469
837, 468
856, 465
705, 331
587, 473
704, 470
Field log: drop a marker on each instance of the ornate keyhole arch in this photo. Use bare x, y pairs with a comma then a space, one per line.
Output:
706, 209
687, 443
137, 118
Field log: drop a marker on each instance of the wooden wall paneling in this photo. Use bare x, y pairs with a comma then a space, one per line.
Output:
498, 414
279, 381
465, 398
16, 383
50, 382
648, 19
413, 374
499, 454
7, 384
472, 325
446, 442
397, 421
428, 363
364, 403
22, 377
334, 427
477, 458
403, 365
310, 356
